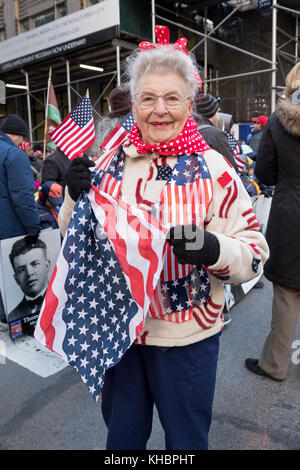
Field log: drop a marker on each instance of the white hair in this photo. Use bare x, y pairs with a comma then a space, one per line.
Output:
158, 60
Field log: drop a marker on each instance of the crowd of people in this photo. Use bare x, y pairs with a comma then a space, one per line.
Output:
174, 130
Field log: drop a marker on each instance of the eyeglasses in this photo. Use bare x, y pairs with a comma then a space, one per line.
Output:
149, 100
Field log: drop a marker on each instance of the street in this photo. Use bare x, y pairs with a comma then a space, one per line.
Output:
56, 412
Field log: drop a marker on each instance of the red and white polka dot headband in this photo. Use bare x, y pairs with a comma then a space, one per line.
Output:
163, 37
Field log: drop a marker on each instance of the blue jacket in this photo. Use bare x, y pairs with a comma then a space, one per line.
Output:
18, 212
47, 219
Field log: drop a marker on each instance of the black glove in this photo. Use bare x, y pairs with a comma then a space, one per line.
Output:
194, 246
78, 176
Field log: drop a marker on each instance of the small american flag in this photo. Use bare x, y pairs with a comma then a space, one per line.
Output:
119, 134
234, 145
100, 290
76, 133
237, 152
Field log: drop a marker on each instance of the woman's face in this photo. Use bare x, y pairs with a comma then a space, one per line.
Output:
161, 119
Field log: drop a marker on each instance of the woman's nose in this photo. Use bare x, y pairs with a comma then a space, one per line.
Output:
160, 106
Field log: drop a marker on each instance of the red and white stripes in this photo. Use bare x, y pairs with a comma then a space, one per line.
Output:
251, 219
73, 139
141, 257
207, 316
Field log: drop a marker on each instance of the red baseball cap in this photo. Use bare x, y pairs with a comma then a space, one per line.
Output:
261, 119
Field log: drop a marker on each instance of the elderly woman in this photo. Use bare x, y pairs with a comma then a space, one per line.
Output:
168, 165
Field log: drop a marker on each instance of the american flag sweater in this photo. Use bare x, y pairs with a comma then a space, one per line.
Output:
243, 249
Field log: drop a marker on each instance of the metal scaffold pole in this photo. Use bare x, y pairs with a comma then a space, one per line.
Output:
153, 19
28, 105
68, 86
274, 49
118, 65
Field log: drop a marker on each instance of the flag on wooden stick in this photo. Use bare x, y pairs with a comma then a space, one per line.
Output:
76, 133
52, 115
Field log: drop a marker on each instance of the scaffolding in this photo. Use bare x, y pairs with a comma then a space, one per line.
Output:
270, 65
275, 51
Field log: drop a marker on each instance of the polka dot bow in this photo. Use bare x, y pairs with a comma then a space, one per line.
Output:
163, 36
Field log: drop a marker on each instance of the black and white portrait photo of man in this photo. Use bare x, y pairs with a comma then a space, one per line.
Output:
26, 266
31, 272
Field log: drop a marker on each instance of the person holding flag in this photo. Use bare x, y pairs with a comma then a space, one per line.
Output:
140, 316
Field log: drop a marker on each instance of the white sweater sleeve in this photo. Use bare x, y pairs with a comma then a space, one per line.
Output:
65, 212
243, 248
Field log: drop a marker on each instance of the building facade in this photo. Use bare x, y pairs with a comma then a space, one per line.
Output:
233, 42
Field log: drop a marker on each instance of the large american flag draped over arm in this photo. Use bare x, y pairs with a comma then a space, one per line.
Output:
101, 286
76, 133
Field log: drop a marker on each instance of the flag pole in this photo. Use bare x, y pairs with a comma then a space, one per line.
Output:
46, 113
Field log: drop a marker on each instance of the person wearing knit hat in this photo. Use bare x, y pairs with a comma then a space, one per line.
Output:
206, 116
209, 105
17, 204
15, 128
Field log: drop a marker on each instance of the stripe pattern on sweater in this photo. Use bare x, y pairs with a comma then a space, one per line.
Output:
184, 200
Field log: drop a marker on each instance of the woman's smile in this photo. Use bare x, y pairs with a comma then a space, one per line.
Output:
161, 124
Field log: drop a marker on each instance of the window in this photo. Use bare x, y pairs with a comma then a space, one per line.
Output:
61, 10
24, 25
2, 35
43, 18
88, 3
30, 22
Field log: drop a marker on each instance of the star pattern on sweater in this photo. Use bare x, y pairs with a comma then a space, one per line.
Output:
163, 172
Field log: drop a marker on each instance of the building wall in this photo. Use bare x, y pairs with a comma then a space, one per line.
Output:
242, 97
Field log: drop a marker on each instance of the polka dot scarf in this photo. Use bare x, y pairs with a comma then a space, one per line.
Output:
188, 141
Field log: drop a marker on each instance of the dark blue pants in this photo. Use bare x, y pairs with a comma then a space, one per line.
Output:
180, 381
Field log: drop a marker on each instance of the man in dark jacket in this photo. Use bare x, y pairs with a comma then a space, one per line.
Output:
257, 132
18, 210
278, 164
207, 122
55, 167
